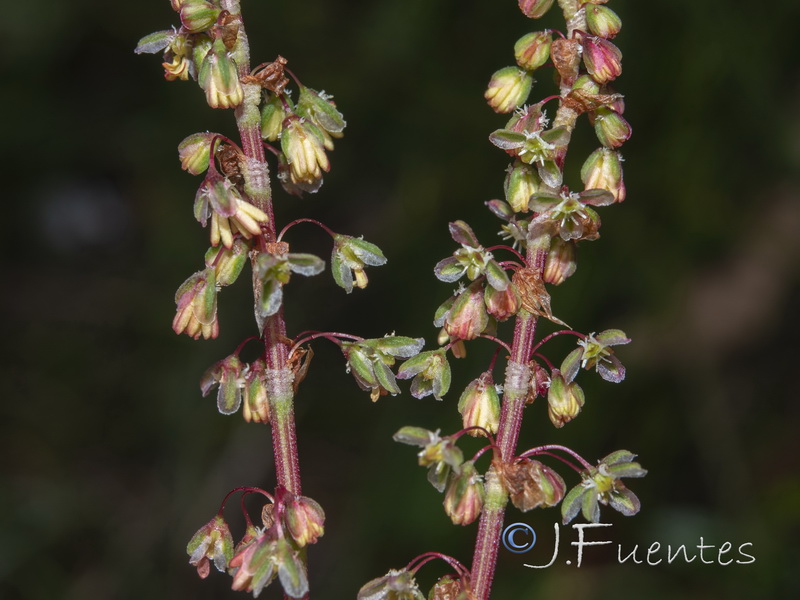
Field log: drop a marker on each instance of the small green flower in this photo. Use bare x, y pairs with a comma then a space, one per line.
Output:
350, 256
470, 260
369, 362
602, 485
431, 373
213, 541
395, 585
594, 351
440, 454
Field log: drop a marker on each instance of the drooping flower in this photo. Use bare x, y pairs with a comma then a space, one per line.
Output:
602, 485
212, 543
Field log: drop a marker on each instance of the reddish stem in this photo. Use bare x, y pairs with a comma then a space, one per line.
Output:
305, 220
556, 333
545, 450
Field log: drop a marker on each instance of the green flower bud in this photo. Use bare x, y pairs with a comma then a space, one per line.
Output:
212, 542
564, 400
520, 184
219, 78
273, 114
463, 500
479, 405
230, 214
196, 301
508, 89
198, 16
194, 152
603, 21
611, 127
560, 262
255, 403
603, 170
228, 374
227, 262
320, 110
534, 8
533, 50
586, 84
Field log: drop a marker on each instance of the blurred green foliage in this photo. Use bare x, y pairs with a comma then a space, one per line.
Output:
112, 458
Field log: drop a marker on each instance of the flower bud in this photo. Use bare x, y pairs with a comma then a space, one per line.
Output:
177, 60
227, 262
586, 84
520, 184
196, 301
502, 305
255, 565
508, 89
255, 403
534, 8
479, 405
448, 588
194, 152
603, 21
219, 78
463, 500
603, 170
197, 15
560, 262
273, 115
603, 59
467, 318
533, 50
320, 110
611, 128
212, 541
304, 150
564, 400
304, 520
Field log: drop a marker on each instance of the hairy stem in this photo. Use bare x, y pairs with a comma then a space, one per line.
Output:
257, 186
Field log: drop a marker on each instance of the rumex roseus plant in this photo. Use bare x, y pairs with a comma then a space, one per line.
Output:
275, 115
543, 221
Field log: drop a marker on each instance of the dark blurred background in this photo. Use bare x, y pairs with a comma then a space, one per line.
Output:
112, 459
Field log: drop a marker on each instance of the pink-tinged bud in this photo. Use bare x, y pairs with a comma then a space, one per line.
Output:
586, 84
603, 21
304, 148
502, 305
467, 318
255, 565
530, 484
522, 182
479, 405
560, 262
197, 15
212, 541
535, 8
533, 50
508, 89
219, 78
603, 59
196, 301
564, 400
305, 520
611, 128
603, 170
463, 500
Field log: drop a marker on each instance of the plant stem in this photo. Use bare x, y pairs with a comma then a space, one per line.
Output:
257, 186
